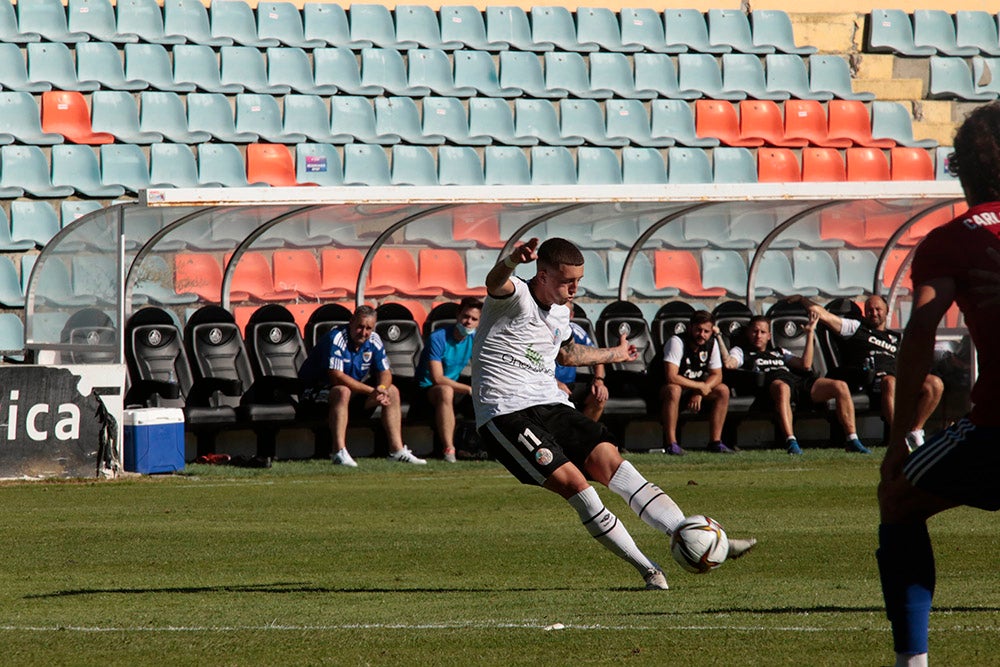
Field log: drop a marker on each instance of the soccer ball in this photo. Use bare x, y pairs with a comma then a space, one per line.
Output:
699, 544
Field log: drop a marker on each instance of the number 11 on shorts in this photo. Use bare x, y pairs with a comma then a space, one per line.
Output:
529, 440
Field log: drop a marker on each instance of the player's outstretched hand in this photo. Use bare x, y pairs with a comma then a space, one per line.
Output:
626, 351
526, 252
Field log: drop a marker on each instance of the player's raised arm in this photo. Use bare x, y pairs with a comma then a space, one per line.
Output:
498, 282
574, 354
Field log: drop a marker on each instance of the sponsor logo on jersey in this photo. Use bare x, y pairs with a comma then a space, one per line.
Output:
883, 344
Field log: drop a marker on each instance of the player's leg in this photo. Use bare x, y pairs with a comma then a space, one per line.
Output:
442, 399
887, 387
593, 408
719, 402
781, 397
339, 402
927, 401
670, 401
392, 423
823, 390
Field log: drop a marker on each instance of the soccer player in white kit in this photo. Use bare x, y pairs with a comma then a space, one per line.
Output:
529, 424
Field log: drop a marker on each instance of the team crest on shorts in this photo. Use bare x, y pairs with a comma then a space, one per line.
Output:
543, 456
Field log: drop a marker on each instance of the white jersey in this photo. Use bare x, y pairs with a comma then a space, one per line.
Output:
514, 354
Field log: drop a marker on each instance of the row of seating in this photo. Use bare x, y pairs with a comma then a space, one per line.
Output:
932, 32
363, 25
279, 70
31, 224
951, 79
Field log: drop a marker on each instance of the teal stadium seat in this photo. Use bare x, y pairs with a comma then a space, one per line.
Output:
290, 66
786, 73
446, 117
164, 112
261, 115
151, 63
951, 78
656, 71
700, 71
33, 221
773, 27
476, 69
505, 165
554, 25
355, 116
53, 64
856, 270
431, 68
688, 165
734, 165
641, 277
941, 157
190, 19
522, 70
890, 31
244, 65
510, 25
20, 121
144, 18
48, 19
327, 22
373, 23
174, 165
675, 119
987, 71
741, 71
116, 112
71, 211
599, 25
537, 118
235, 20
595, 281
891, 120
12, 336
686, 30
211, 112
399, 116
366, 165
465, 24
641, 166
413, 165
419, 24
643, 27
283, 21
27, 168
11, 295
101, 62
8, 244
198, 65
774, 274
308, 115
977, 29
731, 27
318, 163
384, 68
727, 269
96, 18
716, 230
124, 165
14, 73
339, 67
814, 269
832, 74
584, 118
9, 32
77, 167
492, 117
459, 165
222, 163
628, 119
935, 28
597, 166
612, 71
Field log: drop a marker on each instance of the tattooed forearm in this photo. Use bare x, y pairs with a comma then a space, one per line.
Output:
572, 354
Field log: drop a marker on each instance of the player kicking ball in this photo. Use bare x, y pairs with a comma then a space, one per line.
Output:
529, 424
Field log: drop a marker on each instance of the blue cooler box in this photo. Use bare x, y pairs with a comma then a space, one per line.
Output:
154, 440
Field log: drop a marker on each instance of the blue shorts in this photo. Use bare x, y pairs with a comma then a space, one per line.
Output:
961, 464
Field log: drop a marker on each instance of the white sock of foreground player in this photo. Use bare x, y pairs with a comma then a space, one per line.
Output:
646, 499
605, 527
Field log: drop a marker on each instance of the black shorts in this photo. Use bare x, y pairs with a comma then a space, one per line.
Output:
578, 393
801, 386
961, 464
860, 379
534, 442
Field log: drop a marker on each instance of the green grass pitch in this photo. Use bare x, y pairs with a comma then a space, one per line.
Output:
307, 563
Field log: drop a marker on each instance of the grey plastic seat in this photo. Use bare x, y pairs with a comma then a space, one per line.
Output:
815, 269
773, 27
745, 72
459, 165
941, 156
641, 277
14, 73
986, 70
308, 115
537, 118
318, 163
716, 229
116, 112
628, 119
786, 73
356, 116
656, 71
48, 19
20, 120
595, 281
327, 22
522, 70
774, 274
935, 28
97, 19
189, 18
124, 165
554, 25
198, 65
283, 21
144, 18
552, 165
505, 165
732, 28
612, 71
384, 68
476, 69
164, 112
151, 63
687, 30
27, 168
726, 269
642, 166
675, 119
510, 25
413, 165
399, 116
465, 24
891, 120
339, 67
100, 61
373, 23
261, 115
734, 164
951, 78
890, 31
52, 63
290, 66
688, 165
754, 225
211, 112
33, 221
71, 211
222, 163
446, 117
431, 68
599, 25
244, 65
9, 32
644, 27
11, 294
833, 74
493, 118
8, 244
977, 29
856, 269
174, 165
597, 166
419, 24
700, 71
584, 118
77, 167
366, 165
234, 19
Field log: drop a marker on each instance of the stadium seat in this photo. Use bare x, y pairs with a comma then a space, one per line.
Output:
806, 120
977, 29
597, 166
777, 165
493, 118
554, 25
445, 269
476, 69
640, 280
832, 74
717, 118
584, 118
327, 22
298, 271
308, 115
523, 71
189, 18
628, 119
124, 165
679, 269
373, 23
733, 165
774, 275
11, 294
399, 116
355, 116
173, 165
675, 120
366, 165
686, 30
569, 71
509, 25
72, 210
212, 113
395, 271
198, 65
642, 30
935, 28
419, 24
713, 229
432, 69
222, 163
823, 165
773, 27
700, 71
96, 18
235, 21
731, 27
891, 120
271, 164
384, 68
8, 244
165, 112
814, 269
910, 164
786, 73
856, 270
612, 71
599, 25
413, 165
14, 73
762, 119
101, 62
52, 63
642, 166
506, 165
244, 65
465, 24
260, 115
890, 31
318, 163
941, 157
48, 19
849, 119
151, 63
867, 164
983, 78
339, 67
950, 78
745, 72
253, 277
656, 72
537, 118
116, 112
26, 168
290, 66
283, 21
37, 222
77, 167
21, 121
340, 269
9, 32
846, 222
688, 165
552, 165
445, 117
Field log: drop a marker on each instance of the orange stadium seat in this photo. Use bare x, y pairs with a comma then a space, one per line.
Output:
867, 164
253, 276
717, 118
849, 119
806, 119
679, 269
777, 165
66, 113
761, 119
911, 164
272, 164
340, 268
823, 165
924, 225
445, 269
298, 271
483, 229
893, 261
395, 271
201, 274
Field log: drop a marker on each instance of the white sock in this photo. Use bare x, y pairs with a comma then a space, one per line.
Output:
646, 499
605, 527
911, 660
852, 436
916, 438
791, 437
